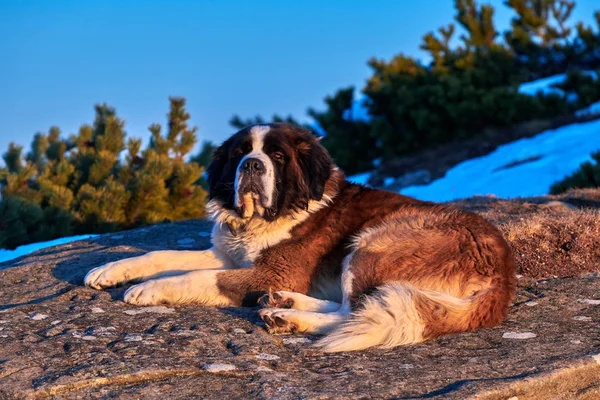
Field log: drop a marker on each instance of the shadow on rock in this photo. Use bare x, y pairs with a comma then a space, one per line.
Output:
38, 300
73, 269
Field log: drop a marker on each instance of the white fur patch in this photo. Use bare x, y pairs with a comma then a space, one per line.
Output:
257, 233
347, 280
199, 287
387, 319
257, 133
307, 303
307, 321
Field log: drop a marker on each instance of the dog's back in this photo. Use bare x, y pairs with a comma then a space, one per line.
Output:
423, 271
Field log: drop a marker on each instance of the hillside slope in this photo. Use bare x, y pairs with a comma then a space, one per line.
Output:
526, 167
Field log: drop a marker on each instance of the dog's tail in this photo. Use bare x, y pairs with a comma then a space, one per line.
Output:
400, 314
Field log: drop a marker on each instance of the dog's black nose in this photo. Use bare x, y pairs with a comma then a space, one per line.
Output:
253, 165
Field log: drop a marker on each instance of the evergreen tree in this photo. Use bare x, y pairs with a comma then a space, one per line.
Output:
38, 154
240, 123
539, 35
12, 158
582, 88
20, 222
588, 175
478, 22
541, 22
467, 88
347, 140
439, 48
586, 47
204, 156
82, 184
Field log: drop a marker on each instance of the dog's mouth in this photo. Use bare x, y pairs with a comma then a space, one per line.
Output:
252, 203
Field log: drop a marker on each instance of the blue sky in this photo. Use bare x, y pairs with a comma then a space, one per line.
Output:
59, 58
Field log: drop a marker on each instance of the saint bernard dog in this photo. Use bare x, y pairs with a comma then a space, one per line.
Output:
324, 256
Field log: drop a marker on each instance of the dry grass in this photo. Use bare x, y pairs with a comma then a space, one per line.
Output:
551, 236
559, 244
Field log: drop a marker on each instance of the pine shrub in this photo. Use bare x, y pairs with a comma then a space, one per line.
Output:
470, 84
587, 176
83, 184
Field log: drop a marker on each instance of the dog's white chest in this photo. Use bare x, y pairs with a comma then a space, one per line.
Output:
246, 246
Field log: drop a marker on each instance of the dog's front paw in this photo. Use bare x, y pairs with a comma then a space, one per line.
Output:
279, 299
145, 294
104, 277
278, 321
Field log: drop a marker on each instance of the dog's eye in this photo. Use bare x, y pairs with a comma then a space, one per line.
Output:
278, 156
238, 152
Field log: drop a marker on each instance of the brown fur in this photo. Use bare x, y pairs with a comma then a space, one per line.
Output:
324, 236
429, 246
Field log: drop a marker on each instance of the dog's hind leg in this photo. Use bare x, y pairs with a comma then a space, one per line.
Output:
285, 321
316, 316
297, 301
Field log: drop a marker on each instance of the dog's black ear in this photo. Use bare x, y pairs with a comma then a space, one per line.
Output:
215, 170
316, 165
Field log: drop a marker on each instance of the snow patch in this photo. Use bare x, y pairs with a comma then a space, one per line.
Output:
593, 108
543, 85
360, 179
562, 151
6, 255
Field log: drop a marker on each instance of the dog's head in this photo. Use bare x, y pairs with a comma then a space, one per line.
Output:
269, 171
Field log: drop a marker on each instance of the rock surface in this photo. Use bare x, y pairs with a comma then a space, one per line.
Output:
89, 344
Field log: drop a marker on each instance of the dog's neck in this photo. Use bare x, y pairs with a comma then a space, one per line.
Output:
221, 215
